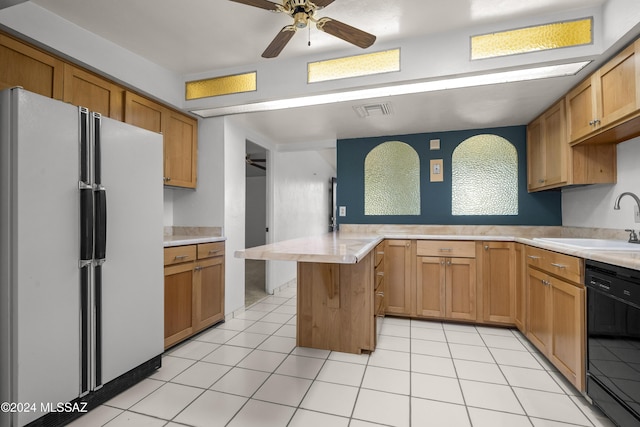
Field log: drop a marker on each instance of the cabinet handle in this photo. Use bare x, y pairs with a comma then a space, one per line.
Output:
380, 252
380, 294
449, 262
442, 262
446, 249
406, 245
380, 273
211, 252
166, 179
558, 265
197, 268
533, 257
541, 181
179, 257
486, 247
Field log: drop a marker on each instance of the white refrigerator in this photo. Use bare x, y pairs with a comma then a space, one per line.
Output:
81, 258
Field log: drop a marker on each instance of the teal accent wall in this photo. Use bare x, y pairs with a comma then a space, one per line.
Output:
541, 208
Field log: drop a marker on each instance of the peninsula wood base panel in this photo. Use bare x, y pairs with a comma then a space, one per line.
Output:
336, 306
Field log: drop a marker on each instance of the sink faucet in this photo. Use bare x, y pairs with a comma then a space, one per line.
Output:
616, 205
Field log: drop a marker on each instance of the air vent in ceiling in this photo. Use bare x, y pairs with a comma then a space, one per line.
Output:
372, 110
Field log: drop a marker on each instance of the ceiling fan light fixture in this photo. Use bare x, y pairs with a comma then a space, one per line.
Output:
301, 20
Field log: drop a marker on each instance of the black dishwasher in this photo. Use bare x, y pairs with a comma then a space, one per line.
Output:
613, 341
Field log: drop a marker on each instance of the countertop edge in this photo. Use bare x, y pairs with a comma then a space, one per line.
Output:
171, 241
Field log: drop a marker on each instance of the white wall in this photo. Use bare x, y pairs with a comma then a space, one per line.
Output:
592, 206
301, 204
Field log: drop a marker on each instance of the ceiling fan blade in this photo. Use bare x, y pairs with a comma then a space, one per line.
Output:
279, 42
262, 4
346, 32
322, 3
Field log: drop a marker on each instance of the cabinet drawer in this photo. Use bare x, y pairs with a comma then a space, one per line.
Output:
447, 248
206, 250
561, 265
178, 254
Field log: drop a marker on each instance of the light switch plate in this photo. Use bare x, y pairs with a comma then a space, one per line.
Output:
434, 144
436, 171
342, 211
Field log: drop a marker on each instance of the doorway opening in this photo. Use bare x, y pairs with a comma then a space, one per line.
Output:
255, 220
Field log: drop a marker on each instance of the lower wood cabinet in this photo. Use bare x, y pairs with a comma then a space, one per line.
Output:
520, 280
194, 289
398, 277
380, 288
498, 277
556, 311
446, 285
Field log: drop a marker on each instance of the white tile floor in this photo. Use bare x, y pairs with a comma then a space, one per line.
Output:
248, 372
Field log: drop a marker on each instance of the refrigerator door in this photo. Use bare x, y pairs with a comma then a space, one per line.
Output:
40, 217
132, 273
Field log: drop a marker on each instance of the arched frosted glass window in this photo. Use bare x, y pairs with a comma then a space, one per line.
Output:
392, 180
484, 177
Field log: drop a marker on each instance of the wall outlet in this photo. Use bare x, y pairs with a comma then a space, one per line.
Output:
636, 213
342, 211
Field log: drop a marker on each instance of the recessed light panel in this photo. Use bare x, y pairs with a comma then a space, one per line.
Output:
224, 85
532, 39
354, 66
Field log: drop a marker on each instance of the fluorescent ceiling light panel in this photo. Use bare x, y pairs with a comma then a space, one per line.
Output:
532, 39
223, 85
354, 66
520, 75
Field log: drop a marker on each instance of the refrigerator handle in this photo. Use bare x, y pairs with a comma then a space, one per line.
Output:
100, 224
86, 224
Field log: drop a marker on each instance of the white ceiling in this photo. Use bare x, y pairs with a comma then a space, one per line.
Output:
192, 37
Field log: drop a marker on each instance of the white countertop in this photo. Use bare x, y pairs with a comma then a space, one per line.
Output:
349, 248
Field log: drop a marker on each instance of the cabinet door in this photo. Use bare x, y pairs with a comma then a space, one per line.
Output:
180, 150
535, 155
460, 288
617, 86
567, 348
208, 292
431, 293
143, 113
581, 110
498, 281
520, 313
539, 332
178, 303
21, 65
397, 276
556, 145
88, 90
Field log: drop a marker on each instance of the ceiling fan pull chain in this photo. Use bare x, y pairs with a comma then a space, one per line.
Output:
309, 43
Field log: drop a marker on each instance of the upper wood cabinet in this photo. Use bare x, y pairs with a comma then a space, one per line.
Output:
88, 90
607, 97
552, 162
180, 137
42, 73
36, 71
547, 149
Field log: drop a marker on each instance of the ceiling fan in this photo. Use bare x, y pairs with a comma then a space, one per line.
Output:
254, 162
303, 11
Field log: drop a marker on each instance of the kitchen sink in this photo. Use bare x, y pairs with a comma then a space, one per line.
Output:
592, 244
